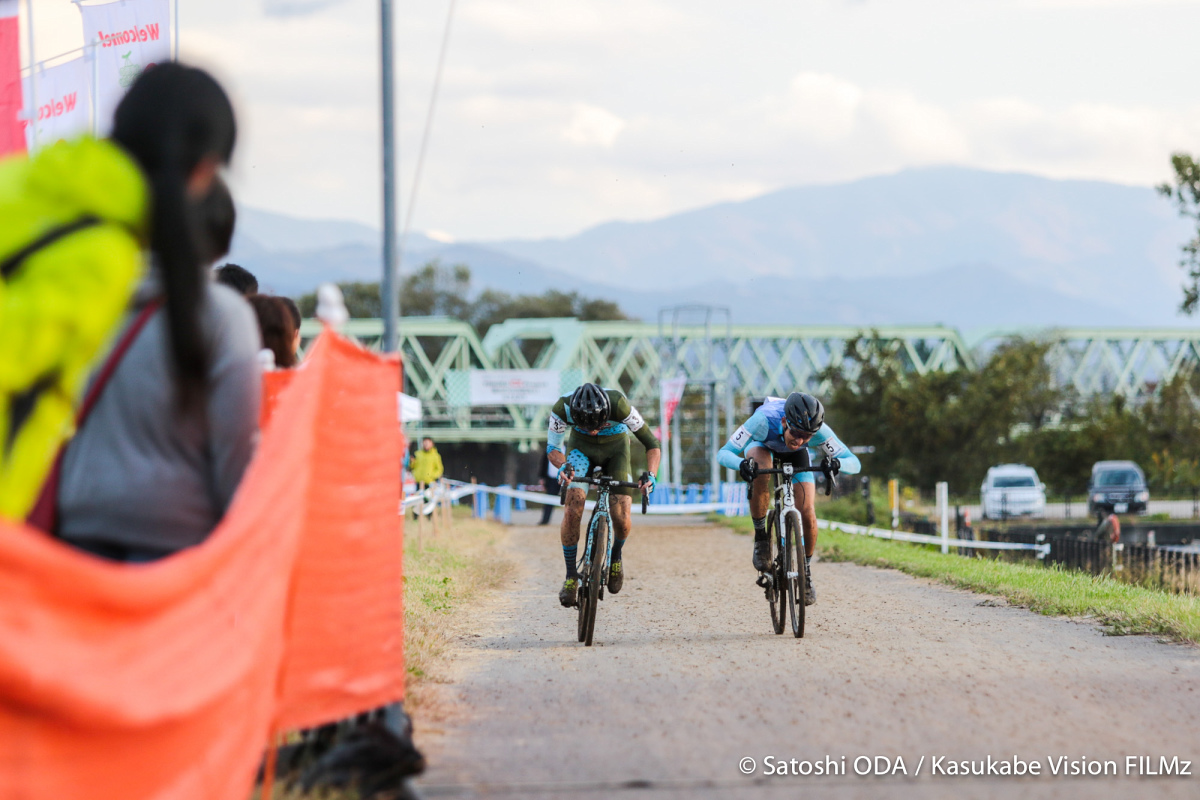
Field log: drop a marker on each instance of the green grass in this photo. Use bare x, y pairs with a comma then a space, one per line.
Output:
1120, 607
850, 508
443, 573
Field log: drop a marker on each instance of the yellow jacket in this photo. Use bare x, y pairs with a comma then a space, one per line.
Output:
60, 306
427, 466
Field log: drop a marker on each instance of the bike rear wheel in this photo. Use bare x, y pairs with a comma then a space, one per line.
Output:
595, 577
797, 577
775, 591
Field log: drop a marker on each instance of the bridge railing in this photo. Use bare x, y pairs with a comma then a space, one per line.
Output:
753, 360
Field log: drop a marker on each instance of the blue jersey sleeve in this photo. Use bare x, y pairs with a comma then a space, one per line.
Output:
752, 430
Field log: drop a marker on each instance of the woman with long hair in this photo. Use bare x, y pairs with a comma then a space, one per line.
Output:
277, 328
155, 464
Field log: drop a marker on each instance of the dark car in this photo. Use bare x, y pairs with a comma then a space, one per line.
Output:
1117, 487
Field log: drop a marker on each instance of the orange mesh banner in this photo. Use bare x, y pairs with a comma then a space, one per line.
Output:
274, 384
166, 680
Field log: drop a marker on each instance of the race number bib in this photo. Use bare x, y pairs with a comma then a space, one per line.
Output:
557, 425
634, 421
829, 448
741, 437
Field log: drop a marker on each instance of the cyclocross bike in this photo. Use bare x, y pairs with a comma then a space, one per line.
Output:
597, 553
786, 584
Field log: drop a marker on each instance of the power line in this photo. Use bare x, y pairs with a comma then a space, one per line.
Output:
433, 97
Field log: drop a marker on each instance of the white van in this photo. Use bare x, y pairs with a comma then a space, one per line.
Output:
1012, 490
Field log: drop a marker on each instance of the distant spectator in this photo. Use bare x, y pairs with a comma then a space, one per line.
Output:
276, 328
155, 466
550, 485
294, 310
427, 463
219, 217
238, 278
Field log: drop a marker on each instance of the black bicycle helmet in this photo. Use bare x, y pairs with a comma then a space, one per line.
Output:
803, 412
589, 407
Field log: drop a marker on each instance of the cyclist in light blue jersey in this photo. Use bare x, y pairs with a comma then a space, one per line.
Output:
795, 430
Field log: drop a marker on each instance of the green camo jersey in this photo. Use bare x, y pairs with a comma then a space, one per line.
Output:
623, 419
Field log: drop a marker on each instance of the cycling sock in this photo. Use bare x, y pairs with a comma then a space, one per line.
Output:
569, 556
760, 529
617, 545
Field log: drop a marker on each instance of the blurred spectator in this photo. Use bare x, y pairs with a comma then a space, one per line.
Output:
219, 218
154, 467
74, 222
238, 278
294, 310
276, 328
427, 463
550, 485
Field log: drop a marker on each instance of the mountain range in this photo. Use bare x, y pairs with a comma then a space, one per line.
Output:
967, 248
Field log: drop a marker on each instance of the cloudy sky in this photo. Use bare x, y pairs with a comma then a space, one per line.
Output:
556, 115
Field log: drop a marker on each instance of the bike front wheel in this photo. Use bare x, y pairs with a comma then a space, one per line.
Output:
581, 606
797, 577
595, 579
775, 591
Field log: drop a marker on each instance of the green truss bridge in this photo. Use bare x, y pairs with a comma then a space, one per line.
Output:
747, 360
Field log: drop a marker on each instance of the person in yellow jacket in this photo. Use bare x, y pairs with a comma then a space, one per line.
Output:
60, 303
74, 234
426, 465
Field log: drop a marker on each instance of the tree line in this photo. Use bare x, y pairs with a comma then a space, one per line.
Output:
952, 426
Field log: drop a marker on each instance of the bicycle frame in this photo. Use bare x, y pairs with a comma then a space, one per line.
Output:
601, 512
786, 581
786, 471
603, 487
785, 497
595, 574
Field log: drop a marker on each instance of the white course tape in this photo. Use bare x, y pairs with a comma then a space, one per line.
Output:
924, 538
465, 489
431, 498
459, 489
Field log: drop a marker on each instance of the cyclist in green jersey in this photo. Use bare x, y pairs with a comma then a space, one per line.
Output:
601, 423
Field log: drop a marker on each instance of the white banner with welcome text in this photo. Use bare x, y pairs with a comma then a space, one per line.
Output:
522, 387
132, 35
64, 102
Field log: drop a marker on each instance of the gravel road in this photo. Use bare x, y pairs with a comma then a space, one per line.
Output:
686, 679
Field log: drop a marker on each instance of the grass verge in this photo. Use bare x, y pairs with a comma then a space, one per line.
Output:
1121, 608
443, 574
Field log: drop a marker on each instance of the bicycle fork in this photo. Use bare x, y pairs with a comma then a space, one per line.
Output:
600, 513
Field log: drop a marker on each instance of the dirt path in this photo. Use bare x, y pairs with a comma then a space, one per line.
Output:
686, 679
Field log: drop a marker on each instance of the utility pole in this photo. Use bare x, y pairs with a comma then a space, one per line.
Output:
387, 286
32, 108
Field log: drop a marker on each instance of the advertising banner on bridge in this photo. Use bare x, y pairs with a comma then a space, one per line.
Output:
12, 138
64, 103
130, 35
522, 387
409, 407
